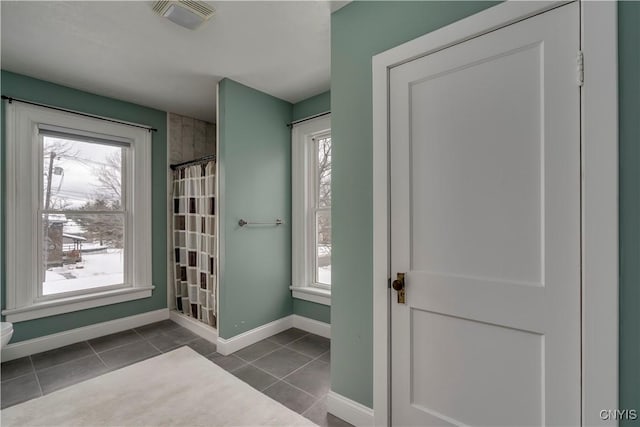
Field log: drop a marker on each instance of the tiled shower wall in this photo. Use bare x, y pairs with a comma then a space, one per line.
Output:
189, 139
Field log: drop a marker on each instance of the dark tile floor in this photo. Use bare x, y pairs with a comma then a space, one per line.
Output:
291, 367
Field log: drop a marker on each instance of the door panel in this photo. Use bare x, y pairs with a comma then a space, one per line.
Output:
485, 221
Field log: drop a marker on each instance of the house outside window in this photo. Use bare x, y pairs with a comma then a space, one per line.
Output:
78, 210
311, 203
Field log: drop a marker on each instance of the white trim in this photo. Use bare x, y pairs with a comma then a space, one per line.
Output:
220, 214
245, 339
312, 326
23, 206
171, 303
600, 191
600, 210
302, 229
75, 303
349, 410
308, 293
49, 342
205, 331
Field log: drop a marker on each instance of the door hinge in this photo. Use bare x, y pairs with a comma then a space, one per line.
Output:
580, 63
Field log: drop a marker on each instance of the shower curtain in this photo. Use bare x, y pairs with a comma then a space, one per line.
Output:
194, 242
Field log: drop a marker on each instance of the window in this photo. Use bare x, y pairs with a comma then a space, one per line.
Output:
78, 212
311, 223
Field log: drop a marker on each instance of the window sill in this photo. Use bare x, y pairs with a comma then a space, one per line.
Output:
75, 303
317, 295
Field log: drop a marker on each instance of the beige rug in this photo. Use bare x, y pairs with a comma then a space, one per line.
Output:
180, 388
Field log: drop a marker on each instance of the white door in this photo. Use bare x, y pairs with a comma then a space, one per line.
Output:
485, 222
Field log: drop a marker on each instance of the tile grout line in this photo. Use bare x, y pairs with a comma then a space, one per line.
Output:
281, 379
147, 341
310, 361
317, 402
98, 356
65, 363
285, 346
309, 394
35, 373
280, 346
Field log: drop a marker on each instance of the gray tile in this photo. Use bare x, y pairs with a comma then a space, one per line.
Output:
60, 355
326, 357
311, 345
128, 354
229, 363
255, 377
290, 397
256, 350
19, 390
288, 336
153, 329
312, 378
202, 346
114, 340
282, 362
70, 373
16, 368
319, 415
171, 339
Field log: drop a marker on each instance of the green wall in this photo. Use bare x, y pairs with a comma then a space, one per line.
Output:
255, 175
27, 88
629, 103
312, 310
359, 31
311, 106
320, 103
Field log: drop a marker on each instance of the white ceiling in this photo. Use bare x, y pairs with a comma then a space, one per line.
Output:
125, 51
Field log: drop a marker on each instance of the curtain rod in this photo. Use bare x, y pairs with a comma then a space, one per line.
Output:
194, 162
11, 99
308, 118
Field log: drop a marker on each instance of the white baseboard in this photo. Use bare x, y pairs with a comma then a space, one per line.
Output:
349, 410
49, 342
205, 331
245, 339
312, 326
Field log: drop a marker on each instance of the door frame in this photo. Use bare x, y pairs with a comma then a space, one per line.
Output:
599, 198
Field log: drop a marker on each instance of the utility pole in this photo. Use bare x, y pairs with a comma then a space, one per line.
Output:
46, 214
49, 179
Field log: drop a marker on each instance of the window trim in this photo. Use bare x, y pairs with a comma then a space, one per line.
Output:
22, 195
302, 264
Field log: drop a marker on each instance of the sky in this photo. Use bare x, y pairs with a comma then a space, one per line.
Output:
76, 180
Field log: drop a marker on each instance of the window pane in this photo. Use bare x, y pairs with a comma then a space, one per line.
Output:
81, 175
323, 247
82, 251
324, 172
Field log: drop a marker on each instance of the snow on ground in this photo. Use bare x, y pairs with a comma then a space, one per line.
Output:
324, 274
101, 269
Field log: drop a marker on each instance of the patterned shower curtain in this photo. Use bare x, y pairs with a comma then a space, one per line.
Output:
194, 242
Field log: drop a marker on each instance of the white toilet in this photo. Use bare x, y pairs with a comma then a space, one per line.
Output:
6, 331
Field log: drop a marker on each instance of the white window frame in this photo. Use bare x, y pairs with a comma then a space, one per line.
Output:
303, 183
23, 193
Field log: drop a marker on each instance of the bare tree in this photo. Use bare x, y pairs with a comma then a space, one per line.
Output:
324, 192
110, 176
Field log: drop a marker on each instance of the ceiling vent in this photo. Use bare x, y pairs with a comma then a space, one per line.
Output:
186, 13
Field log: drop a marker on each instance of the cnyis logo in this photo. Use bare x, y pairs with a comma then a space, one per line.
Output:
618, 414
